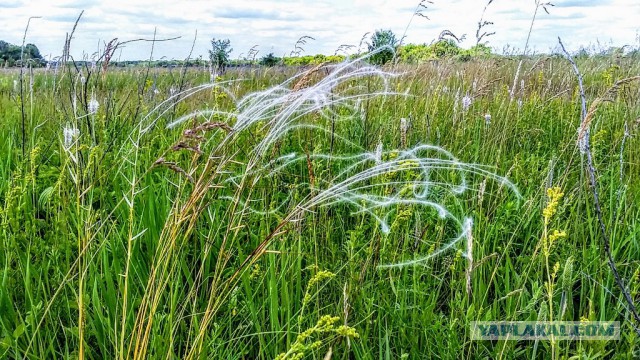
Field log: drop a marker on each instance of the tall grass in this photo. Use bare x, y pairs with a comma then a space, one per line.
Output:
239, 218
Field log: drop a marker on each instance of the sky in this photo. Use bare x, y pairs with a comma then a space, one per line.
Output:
275, 25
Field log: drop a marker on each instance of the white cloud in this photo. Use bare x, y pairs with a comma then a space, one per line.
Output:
275, 25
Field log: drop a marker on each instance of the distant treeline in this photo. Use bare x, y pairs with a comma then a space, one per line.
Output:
10, 54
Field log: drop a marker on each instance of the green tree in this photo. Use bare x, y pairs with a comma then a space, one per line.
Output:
445, 48
269, 60
32, 51
219, 53
384, 43
11, 54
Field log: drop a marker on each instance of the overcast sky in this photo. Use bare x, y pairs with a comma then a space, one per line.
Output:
276, 25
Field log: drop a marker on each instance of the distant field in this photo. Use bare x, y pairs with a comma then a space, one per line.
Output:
152, 213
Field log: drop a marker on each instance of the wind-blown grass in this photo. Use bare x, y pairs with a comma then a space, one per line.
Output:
204, 223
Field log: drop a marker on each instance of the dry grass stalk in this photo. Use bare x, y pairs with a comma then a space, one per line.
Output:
109, 50
208, 126
186, 146
173, 166
305, 80
608, 96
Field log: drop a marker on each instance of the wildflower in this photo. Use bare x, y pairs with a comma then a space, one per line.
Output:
487, 119
69, 134
347, 331
519, 103
557, 235
554, 195
93, 105
173, 91
83, 79
466, 102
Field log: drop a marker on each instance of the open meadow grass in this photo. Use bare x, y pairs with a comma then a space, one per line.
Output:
336, 212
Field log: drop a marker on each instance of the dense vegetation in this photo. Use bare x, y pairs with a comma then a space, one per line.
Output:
123, 238
11, 55
220, 55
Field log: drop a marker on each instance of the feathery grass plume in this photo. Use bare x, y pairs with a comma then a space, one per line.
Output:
281, 110
374, 192
372, 183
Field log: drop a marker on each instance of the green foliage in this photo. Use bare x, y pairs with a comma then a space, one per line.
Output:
82, 228
416, 54
312, 60
10, 54
270, 60
219, 53
385, 43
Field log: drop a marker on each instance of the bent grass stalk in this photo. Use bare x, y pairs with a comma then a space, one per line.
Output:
280, 110
277, 112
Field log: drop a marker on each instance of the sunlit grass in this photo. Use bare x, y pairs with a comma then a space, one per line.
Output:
204, 222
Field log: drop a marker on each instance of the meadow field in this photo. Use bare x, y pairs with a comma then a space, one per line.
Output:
342, 211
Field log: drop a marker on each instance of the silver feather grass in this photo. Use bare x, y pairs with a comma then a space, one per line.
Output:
365, 178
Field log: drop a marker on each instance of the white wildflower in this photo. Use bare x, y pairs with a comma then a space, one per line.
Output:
69, 134
487, 119
93, 105
466, 102
172, 91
